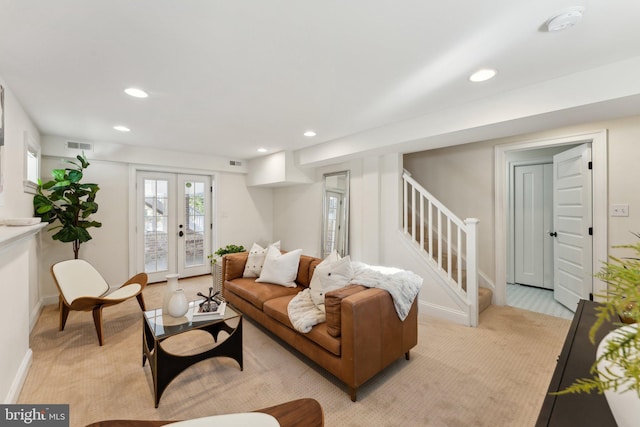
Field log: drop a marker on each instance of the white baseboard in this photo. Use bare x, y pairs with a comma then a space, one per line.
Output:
446, 313
34, 315
50, 300
18, 381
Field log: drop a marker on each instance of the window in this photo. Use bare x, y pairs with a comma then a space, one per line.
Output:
31, 164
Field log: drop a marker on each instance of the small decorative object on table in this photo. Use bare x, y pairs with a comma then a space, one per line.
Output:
210, 302
209, 308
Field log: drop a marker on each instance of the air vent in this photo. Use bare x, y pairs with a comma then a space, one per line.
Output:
235, 163
83, 146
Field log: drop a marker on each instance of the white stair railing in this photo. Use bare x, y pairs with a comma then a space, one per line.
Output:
445, 239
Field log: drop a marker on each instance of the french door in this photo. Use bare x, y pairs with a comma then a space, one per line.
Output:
173, 224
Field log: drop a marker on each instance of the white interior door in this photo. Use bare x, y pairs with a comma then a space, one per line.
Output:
573, 271
533, 207
173, 224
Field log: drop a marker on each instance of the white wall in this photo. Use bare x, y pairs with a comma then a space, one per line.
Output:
375, 236
244, 214
108, 250
297, 212
18, 271
462, 177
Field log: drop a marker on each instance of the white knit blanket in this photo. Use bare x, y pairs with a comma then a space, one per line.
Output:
303, 313
402, 285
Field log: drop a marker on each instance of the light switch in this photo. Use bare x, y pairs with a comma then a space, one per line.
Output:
619, 210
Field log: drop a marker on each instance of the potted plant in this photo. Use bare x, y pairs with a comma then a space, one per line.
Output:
213, 259
616, 371
229, 249
69, 201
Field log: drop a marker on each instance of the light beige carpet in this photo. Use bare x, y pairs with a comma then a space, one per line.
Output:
493, 375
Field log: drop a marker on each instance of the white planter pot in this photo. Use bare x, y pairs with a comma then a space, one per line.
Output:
178, 304
625, 406
172, 285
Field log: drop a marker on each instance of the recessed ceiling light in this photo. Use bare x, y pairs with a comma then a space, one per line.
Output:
482, 75
121, 128
309, 134
262, 150
135, 92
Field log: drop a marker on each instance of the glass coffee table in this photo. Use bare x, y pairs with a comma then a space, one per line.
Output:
165, 366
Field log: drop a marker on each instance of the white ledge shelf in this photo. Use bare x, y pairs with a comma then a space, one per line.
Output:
12, 235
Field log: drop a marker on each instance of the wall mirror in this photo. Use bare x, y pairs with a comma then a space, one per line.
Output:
335, 213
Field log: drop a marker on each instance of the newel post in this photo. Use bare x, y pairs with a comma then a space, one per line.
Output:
472, 269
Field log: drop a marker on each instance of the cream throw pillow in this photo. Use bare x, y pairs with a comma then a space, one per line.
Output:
280, 269
329, 276
253, 267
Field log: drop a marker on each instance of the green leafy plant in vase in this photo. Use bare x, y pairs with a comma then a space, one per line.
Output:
616, 371
70, 202
213, 259
229, 249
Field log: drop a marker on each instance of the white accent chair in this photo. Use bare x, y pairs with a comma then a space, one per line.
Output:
82, 288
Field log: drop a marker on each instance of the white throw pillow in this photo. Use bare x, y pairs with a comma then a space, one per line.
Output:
280, 269
328, 277
315, 285
255, 260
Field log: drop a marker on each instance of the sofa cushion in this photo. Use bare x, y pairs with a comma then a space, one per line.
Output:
277, 309
330, 275
280, 269
306, 269
233, 265
257, 293
256, 258
332, 305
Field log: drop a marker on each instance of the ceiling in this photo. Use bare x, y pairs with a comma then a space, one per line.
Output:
228, 77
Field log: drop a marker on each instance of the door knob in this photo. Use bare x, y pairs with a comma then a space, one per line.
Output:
553, 234
181, 233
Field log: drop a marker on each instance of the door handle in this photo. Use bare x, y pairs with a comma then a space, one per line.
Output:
553, 234
181, 233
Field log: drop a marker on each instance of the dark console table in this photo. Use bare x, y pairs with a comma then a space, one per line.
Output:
578, 354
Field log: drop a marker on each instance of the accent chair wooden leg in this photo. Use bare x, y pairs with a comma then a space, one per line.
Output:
406, 355
141, 301
64, 314
97, 320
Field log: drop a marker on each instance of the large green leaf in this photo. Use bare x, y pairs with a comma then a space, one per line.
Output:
59, 174
75, 176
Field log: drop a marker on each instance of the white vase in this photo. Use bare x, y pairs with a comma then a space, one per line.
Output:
624, 405
172, 285
178, 304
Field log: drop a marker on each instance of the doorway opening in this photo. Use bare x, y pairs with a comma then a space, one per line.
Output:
508, 157
172, 224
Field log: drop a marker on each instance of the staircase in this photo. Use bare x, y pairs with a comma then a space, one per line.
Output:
448, 245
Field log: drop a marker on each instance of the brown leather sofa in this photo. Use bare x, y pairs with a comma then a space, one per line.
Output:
362, 334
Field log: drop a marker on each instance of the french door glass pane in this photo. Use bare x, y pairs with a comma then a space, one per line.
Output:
332, 220
194, 223
156, 247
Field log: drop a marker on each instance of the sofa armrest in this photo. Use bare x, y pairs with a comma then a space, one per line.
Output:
373, 336
233, 265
